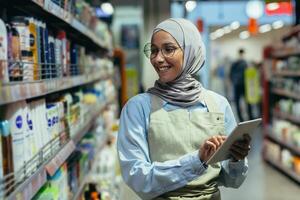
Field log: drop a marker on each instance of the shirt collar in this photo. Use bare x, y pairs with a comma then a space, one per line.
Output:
201, 102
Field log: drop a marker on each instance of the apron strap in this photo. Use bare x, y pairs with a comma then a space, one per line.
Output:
209, 100
156, 103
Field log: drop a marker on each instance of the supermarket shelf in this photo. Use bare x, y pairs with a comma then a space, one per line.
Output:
284, 144
284, 170
294, 31
80, 189
93, 117
58, 12
284, 53
57, 18
32, 185
54, 164
286, 93
289, 73
86, 179
287, 116
11, 93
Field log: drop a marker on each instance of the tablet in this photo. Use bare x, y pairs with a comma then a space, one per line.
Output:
242, 128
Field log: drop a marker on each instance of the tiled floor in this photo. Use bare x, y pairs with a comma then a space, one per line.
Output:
263, 182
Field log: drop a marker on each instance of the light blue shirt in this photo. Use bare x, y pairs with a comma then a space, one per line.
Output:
151, 179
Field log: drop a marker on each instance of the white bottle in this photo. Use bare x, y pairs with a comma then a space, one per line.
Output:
31, 131
16, 118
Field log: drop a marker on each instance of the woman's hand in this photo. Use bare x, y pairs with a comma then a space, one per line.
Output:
210, 146
240, 149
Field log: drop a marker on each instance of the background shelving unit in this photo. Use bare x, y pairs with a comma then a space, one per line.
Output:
10, 93
57, 18
280, 92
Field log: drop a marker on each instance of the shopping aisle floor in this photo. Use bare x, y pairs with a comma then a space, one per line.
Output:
263, 181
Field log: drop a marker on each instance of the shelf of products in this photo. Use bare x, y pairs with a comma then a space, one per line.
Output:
284, 53
289, 73
85, 180
11, 93
56, 79
289, 173
72, 178
282, 106
287, 116
286, 93
292, 148
28, 188
67, 17
78, 18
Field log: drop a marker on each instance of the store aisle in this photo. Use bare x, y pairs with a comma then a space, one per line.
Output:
263, 182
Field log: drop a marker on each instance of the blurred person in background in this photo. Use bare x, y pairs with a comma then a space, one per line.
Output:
220, 78
237, 77
167, 134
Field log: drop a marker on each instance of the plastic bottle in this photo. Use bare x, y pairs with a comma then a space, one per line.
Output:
15, 115
3, 53
6, 143
34, 48
63, 38
22, 26
58, 57
14, 55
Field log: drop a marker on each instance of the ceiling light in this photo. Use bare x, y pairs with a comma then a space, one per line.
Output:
254, 9
235, 25
107, 8
190, 5
220, 32
244, 35
265, 28
277, 24
227, 29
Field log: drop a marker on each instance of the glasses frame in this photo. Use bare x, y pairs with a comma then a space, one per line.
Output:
148, 55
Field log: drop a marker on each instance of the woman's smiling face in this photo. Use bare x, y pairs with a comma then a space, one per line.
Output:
166, 56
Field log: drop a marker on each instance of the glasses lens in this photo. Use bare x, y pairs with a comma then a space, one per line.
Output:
168, 51
147, 50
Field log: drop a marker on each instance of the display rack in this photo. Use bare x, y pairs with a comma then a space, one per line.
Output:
275, 91
286, 116
284, 170
282, 143
86, 178
286, 52
286, 93
11, 93
30, 187
288, 73
57, 19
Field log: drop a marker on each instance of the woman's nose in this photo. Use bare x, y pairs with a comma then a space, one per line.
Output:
160, 57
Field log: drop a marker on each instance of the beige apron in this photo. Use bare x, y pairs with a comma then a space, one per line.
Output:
175, 133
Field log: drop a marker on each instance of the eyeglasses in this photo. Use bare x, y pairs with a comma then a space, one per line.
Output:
167, 51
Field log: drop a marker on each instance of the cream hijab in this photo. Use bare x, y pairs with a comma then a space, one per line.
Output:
184, 90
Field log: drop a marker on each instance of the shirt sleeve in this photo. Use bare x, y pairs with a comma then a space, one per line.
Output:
232, 174
150, 179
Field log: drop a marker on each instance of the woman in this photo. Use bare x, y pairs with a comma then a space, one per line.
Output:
167, 134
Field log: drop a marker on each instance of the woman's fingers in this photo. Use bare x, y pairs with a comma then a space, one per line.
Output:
240, 149
210, 146
238, 155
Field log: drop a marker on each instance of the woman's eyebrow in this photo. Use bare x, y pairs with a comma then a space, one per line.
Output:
168, 43
165, 44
